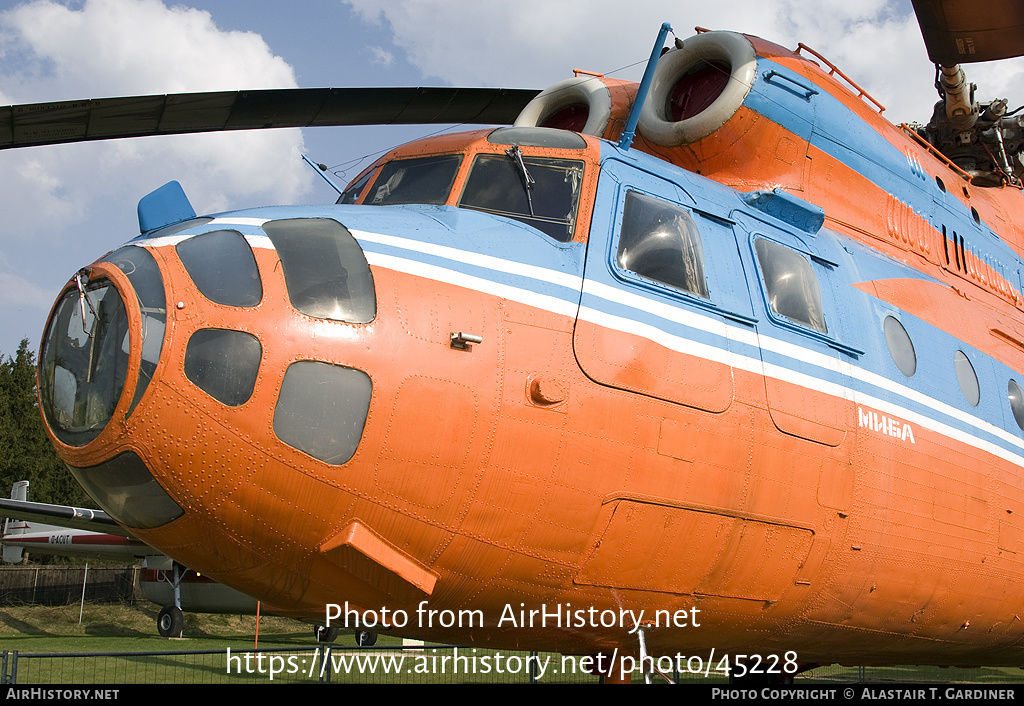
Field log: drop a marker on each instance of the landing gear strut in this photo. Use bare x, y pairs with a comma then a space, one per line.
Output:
366, 639
170, 622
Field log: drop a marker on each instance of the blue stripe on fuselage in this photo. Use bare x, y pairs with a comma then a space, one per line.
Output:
506, 259
842, 134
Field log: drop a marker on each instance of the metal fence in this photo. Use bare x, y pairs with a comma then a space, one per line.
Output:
61, 585
430, 664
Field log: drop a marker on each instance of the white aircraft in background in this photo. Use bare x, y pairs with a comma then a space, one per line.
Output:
92, 533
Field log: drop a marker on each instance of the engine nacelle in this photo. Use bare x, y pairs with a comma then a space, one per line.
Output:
697, 88
593, 105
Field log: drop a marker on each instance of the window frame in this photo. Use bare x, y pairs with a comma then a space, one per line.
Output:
531, 161
825, 273
634, 277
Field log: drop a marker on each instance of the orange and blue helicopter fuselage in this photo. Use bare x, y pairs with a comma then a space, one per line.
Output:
522, 387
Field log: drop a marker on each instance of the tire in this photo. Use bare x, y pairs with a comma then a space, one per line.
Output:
324, 634
366, 639
170, 622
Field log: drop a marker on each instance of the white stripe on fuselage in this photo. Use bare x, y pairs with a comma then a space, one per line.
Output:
694, 320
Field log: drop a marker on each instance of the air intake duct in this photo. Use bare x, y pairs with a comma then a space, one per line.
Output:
697, 88
592, 105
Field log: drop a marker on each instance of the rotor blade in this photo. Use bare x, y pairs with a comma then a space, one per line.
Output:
176, 113
965, 31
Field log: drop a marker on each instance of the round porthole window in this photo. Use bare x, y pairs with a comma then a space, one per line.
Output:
900, 346
967, 378
1016, 396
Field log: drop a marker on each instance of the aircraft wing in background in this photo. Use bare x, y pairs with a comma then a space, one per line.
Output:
58, 529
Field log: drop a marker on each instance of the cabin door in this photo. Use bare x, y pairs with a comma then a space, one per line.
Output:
665, 306
802, 335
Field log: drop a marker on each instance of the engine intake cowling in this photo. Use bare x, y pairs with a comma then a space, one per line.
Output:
697, 88
593, 105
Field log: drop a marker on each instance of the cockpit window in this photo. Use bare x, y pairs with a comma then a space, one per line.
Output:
423, 180
540, 192
222, 266
351, 194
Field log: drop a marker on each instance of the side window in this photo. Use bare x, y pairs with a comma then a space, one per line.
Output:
325, 270
901, 348
322, 408
224, 364
792, 287
1016, 396
222, 266
967, 378
661, 242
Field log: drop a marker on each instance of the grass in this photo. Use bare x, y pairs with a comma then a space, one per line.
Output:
132, 628
33, 629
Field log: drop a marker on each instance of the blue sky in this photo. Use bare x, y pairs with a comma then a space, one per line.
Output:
61, 207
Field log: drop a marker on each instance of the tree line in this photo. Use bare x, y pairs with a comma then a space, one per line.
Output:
25, 450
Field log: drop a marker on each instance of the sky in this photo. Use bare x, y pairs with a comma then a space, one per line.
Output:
61, 207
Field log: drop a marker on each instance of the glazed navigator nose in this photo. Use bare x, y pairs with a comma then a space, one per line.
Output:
197, 322
102, 345
84, 361
85, 357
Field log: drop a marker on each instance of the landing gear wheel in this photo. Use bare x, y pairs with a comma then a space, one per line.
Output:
366, 639
324, 634
170, 622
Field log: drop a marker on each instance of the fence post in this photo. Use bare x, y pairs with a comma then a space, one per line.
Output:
81, 605
9, 667
325, 665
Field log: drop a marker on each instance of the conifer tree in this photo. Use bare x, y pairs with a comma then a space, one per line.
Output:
25, 450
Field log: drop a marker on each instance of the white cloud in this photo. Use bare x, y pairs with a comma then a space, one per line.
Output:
534, 43
119, 47
381, 56
65, 205
528, 41
124, 47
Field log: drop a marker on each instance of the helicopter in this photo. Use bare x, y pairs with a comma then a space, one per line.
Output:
720, 363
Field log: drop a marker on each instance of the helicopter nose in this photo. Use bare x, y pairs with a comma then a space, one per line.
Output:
84, 361
87, 369
171, 358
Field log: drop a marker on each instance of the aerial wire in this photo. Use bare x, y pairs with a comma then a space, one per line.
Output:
339, 170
